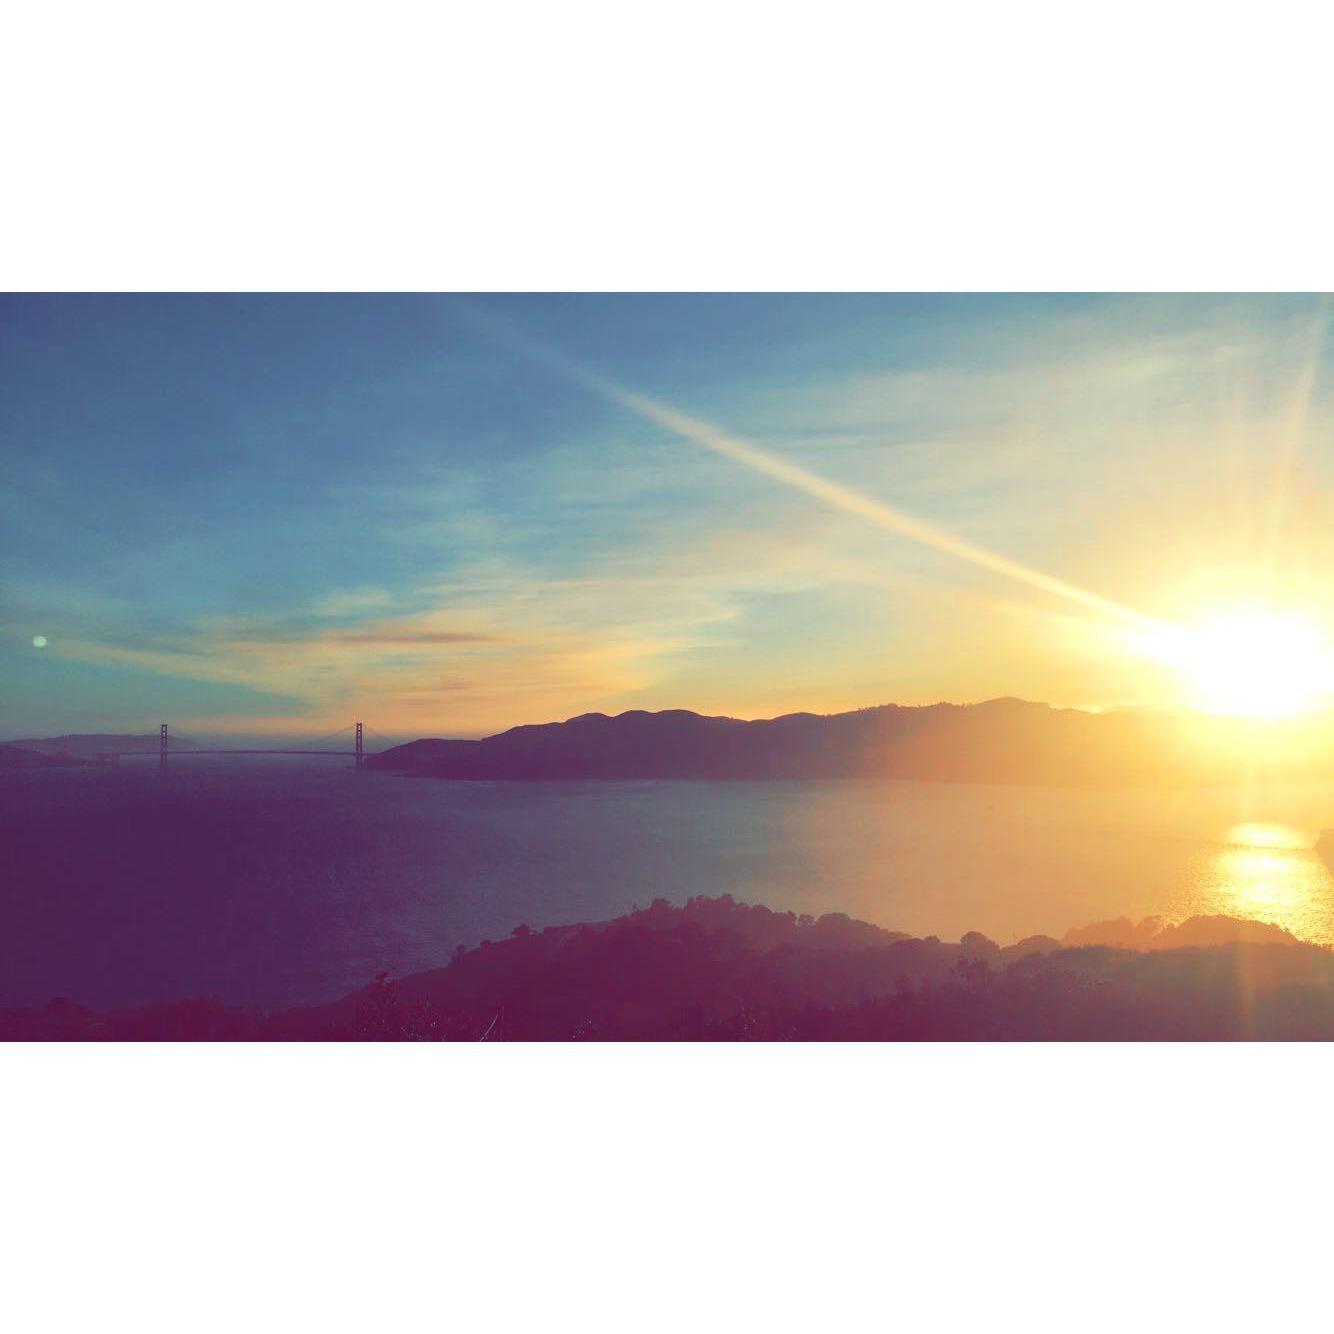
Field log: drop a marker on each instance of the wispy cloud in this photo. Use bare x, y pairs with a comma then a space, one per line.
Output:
496, 640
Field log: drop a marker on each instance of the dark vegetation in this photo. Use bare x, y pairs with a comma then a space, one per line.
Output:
723, 971
1002, 741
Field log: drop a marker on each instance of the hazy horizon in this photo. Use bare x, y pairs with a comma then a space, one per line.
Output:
236, 735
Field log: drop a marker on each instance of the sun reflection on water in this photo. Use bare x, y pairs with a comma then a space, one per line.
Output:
1270, 873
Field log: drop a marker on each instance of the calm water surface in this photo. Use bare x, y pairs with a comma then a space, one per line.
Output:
277, 882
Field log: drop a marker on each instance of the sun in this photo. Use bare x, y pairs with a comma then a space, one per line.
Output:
1253, 662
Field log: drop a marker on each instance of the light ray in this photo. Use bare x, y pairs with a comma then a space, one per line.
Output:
835, 494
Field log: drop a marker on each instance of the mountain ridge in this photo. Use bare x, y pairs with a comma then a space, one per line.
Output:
1004, 740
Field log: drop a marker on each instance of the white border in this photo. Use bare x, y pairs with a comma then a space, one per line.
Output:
665, 1188
725, 146
720, 146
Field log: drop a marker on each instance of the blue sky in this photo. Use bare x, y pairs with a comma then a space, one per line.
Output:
272, 513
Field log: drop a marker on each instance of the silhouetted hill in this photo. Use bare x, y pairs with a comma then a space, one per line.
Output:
720, 970
1002, 740
25, 757
101, 743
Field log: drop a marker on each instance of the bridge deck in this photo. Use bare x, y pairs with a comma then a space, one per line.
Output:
239, 751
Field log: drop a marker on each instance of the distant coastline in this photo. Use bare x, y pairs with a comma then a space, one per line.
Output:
26, 756
78, 748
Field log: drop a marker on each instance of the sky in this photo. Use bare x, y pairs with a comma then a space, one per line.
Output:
449, 515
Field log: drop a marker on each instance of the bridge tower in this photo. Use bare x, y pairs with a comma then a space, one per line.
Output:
359, 755
162, 746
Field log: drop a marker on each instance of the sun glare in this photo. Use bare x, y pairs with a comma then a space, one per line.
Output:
1251, 662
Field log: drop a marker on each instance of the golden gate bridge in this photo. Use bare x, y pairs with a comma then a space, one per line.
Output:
313, 746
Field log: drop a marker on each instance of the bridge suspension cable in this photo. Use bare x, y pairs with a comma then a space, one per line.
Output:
318, 745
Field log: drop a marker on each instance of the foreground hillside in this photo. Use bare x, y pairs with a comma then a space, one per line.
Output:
1002, 740
719, 970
